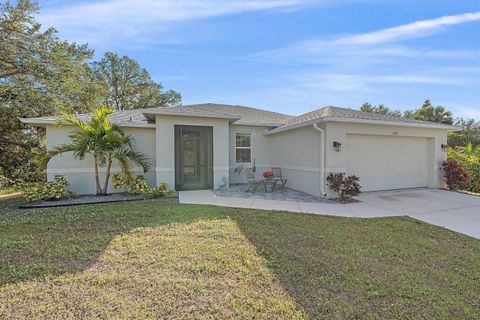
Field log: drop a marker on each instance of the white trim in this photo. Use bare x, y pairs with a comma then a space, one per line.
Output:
245, 132
261, 165
183, 114
45, 122
221, 168
87, 170
365, 121
165, 169
304, 169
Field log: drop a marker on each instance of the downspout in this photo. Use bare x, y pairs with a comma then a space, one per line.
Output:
322, 159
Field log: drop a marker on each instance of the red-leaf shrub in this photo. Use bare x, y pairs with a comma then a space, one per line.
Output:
454, 174
345, 187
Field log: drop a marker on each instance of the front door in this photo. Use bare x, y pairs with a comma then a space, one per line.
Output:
193, 157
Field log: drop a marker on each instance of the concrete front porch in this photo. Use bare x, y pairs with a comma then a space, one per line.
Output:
452, 210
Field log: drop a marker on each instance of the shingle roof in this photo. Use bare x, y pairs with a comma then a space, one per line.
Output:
238, 114
330, 113
241, 114
250, 116
135, 117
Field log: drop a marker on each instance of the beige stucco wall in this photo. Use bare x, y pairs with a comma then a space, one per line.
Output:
260, 152
165, 155
80, 173
337, 161
297, 152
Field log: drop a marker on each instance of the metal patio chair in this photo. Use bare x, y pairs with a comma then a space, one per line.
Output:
252, 182
278, 178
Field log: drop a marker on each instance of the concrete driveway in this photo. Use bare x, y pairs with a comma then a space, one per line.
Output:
452, 210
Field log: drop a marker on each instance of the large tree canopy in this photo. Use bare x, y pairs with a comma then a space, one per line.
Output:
130, 86
430, 113
368, 107
470, 133
41, 75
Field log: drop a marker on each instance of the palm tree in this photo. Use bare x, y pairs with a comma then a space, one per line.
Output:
105, 142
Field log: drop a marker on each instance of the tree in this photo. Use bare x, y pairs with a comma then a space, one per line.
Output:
381, 109
470, 133
40, 75
129, 86
430, 113
105, 142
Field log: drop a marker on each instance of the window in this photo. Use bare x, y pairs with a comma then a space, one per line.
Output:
243, 147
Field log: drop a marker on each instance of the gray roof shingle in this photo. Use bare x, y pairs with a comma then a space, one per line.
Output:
344, 113
238, 114
241, 114
250, 116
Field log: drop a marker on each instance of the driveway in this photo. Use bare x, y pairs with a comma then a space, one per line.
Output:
452, 210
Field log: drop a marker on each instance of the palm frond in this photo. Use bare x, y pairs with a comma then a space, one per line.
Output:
43, 161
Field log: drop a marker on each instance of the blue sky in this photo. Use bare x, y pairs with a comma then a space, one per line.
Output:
291, 56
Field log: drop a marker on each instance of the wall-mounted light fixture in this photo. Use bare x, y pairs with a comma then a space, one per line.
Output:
444, 147
337, 145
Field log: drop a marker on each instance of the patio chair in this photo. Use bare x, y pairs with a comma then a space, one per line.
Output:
278, 179
252, 182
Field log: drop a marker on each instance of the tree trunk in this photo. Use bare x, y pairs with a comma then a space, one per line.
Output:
107, 176
97, 178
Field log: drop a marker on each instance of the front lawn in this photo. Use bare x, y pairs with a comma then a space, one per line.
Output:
158, 259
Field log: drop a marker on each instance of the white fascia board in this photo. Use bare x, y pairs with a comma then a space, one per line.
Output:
366, 121
45, 122
194, 115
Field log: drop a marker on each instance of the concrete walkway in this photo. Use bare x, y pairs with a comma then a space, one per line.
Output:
455, 211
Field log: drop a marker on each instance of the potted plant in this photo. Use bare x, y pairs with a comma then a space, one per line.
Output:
268, 175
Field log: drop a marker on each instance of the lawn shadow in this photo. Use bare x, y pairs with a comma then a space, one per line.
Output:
36, 243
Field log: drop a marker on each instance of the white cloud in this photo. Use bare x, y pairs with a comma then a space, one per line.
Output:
380, 42
133, 20
410, 30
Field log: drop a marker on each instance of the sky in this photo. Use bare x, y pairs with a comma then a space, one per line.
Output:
291, 56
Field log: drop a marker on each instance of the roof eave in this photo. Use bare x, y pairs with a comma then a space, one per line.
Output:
37, 122
44, 122
366, 121
149, 115
394, 123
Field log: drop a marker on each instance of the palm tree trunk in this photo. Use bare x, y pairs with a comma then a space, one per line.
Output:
107, 175
97, 178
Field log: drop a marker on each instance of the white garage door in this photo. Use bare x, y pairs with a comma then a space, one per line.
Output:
387, 162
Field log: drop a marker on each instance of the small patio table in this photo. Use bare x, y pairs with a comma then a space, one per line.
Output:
269, 184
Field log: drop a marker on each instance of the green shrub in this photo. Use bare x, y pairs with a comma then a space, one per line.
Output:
161, 190
4, 181
54, 190
119, 181
139, 186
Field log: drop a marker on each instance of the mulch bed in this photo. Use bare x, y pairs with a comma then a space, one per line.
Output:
89, 199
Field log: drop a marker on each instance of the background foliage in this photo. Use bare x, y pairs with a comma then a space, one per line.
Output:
42, 75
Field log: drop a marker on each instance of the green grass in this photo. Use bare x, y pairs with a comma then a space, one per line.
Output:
159, 259
7, 191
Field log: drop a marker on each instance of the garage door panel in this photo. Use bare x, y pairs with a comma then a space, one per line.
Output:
386, 162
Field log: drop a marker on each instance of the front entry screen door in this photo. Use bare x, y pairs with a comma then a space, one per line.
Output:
193, 157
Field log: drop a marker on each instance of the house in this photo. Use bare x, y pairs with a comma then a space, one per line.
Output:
206, 145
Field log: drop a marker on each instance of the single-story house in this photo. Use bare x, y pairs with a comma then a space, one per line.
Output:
204, 146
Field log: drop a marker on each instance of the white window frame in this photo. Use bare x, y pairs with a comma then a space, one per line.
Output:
244, 148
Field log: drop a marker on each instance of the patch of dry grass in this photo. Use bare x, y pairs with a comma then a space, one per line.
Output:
158, 259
